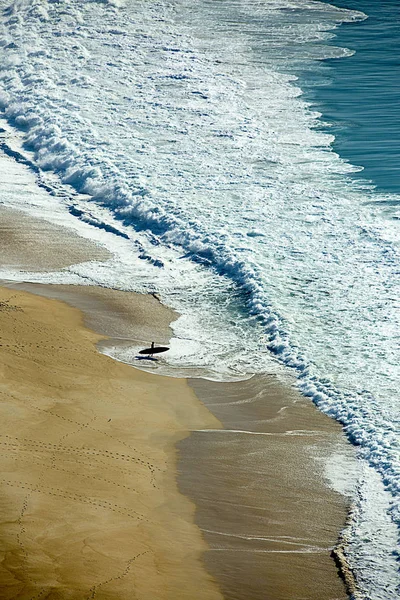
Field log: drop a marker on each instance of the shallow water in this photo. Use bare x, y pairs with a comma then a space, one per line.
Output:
179, 137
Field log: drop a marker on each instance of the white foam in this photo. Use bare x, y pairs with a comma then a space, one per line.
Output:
371, 549
181, 140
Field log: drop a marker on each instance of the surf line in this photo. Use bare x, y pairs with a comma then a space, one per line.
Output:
299, 433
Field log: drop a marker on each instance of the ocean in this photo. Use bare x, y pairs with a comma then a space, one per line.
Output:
240, 160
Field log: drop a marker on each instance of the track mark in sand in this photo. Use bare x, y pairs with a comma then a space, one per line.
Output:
6, 306
76, 474
125, 572
93, 453
40, 594
96, 503
89, 426
22, 531
81, 427
20, 534
89, 459
64, 437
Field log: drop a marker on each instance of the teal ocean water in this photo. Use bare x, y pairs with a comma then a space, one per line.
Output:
239, 158
360, 97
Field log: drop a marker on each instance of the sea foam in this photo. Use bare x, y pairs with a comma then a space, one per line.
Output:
183, 134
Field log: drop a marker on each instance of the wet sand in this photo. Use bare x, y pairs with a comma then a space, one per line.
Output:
33, 244
263, 503
121, 316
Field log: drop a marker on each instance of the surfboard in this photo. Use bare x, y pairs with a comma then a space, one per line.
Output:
154, 350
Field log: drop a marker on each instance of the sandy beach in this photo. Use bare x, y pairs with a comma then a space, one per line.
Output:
220, 181
119, 484
89, 503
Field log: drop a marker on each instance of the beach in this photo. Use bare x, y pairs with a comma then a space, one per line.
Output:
201, 177
119, 483
89, 502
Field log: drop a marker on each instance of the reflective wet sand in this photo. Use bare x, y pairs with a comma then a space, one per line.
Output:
263, 503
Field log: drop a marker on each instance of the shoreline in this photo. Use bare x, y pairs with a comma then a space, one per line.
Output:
109, 313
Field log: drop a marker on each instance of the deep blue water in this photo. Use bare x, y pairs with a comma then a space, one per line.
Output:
360, 95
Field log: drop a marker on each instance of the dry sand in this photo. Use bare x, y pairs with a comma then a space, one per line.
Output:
89, 502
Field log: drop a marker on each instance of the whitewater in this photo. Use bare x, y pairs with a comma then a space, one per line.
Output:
176, 134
